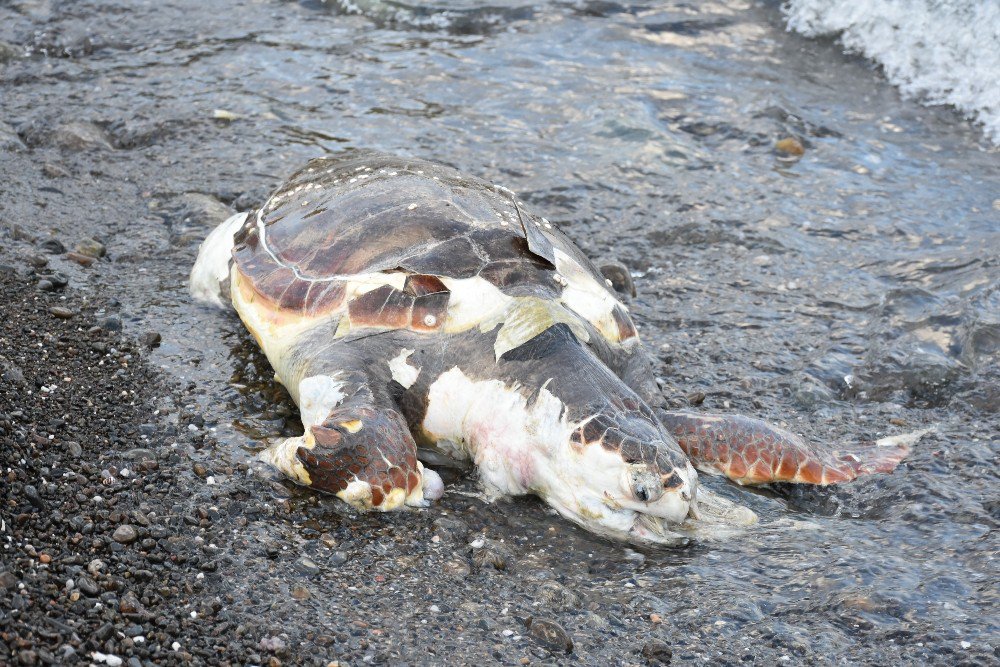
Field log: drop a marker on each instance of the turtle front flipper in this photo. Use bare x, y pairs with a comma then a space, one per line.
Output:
357, 449
751, 451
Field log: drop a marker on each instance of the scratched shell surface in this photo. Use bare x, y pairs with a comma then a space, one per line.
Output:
341, 221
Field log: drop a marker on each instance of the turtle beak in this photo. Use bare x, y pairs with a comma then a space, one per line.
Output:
693, 514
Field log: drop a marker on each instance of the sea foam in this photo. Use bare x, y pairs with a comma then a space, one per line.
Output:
938, 51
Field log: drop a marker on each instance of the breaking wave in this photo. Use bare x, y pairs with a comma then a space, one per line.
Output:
938, 51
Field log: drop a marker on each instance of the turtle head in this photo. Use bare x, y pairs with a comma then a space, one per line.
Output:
622, 475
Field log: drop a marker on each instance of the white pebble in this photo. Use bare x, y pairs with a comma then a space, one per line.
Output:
176, 646
106, 658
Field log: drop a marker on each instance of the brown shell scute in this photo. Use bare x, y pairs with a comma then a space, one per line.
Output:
341, 220
422, 305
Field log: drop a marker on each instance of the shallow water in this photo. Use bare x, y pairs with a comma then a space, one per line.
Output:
849, 293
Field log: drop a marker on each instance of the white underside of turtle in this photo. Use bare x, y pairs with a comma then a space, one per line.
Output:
400, 302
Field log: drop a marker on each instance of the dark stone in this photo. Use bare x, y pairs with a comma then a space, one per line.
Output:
550, 634
491, 555
151, 339
657, 652
88, 585
125, 534
53, 247
110, 323
557, 597
61, 312
307, 566
7, 580
451, 529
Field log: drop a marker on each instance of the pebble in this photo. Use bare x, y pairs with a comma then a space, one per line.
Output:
151, 339
54, 171
657, 652
456, 568
110, 323
125, 534
129, 604
58, 279
88, 585
82, 260
557, 597
62, 312
53, 247
307, 566
490, 554
301, 593
45, 285
90, 248
106, 658
790, 146
272, 644
8, 580
551, 634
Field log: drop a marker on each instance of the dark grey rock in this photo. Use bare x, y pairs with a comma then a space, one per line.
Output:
88, 585
307, 566
110, 323
53, 246
657, 652
62, 312
557, 597
125, 534
491, 555
551, 634
151, 339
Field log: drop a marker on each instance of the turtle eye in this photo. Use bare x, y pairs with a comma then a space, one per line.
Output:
645, 486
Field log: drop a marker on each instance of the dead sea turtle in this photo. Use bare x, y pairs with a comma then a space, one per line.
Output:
403, 303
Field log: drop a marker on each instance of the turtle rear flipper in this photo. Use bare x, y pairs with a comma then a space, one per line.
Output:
751, 451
